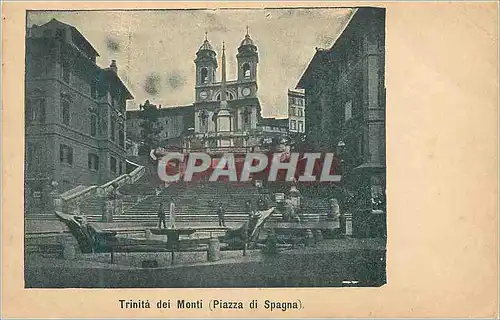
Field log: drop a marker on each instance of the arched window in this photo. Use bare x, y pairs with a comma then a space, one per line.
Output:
229, 96
204, 75
246, 70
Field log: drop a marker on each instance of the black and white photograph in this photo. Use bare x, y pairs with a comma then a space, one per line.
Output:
205, 148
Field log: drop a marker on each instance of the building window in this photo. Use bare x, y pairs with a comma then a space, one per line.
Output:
300, 112
246, 70
93, 125
301, 126
65, 111
66, 154
290, 101
93, 88
204, 75
293, 125
246, 116
121, 138
348, 110
93, 162
60, 34
361, 146
35, 110
30, 152
112, 164
65, 71
36, 67
112, 129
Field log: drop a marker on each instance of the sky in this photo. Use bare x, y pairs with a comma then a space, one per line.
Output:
155, 50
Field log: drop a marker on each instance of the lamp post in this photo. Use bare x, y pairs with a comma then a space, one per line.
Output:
343, 220
340, 152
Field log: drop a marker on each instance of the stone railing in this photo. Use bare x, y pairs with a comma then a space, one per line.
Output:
70, 201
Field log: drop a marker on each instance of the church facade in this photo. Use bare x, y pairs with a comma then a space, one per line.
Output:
227, 112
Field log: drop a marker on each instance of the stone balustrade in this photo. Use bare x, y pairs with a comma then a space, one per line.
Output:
71, 200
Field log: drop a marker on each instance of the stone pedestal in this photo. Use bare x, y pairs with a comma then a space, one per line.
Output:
309, 238
111, 208
318, 235
348, 228
55, 203
108, 210
213, 253
118, 207
70, 249
75, 209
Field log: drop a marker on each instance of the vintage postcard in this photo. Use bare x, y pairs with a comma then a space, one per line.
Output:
247, 160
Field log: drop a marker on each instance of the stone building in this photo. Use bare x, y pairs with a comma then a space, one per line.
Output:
296, 111
345, 103
74, 114
273, 130
173, 123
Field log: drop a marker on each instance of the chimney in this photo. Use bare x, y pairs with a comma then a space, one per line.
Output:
113, 66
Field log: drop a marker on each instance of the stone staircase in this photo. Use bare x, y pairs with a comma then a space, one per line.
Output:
195, 202
201, 198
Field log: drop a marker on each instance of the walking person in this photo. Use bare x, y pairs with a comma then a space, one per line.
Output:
220, 213
161, 216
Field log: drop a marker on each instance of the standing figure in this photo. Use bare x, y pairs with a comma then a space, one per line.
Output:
263, 202
172, 215
343, 223
220, 213
248, 208
334, 212
292, 210
161, 216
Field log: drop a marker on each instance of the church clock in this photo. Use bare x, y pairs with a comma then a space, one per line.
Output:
246, 92
203, 95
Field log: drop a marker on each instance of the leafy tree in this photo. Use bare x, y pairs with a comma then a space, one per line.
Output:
151, 128
297, 142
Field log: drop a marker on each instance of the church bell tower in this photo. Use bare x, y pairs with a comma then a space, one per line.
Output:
247, 58
206, 67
